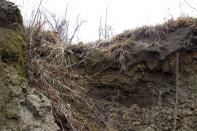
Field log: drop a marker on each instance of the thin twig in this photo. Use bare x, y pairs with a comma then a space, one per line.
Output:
160, 93
177, 92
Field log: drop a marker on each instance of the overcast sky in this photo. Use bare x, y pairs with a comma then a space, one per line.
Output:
122, 14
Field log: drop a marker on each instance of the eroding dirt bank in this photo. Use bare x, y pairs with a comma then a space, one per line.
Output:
127, 83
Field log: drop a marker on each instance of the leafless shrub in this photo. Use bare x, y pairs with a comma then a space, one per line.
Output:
43, 21
62, 26
36, 23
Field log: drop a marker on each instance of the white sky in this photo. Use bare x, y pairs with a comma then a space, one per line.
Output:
122, 14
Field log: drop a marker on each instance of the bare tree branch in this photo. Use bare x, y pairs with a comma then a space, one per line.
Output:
190, 5
37, 12
106, 30
106, 13
100, 28
78, 25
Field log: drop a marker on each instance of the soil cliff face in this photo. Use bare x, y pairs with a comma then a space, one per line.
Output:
21, 108
127, 83
132, 80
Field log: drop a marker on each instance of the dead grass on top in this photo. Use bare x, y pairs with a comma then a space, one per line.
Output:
117, 50
158, 32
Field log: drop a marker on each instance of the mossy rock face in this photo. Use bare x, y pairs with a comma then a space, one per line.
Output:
21, 108
9, 105
12, 43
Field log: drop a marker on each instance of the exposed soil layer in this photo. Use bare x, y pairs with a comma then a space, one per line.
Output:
127, 83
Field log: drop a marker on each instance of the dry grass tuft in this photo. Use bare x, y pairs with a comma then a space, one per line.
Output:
118, 53
50, 70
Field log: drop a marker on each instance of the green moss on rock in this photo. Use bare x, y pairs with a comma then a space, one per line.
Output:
12, 46
12, 43
16, 112
9, 106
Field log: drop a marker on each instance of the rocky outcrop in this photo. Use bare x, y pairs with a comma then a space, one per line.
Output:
127, 83
21, 108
